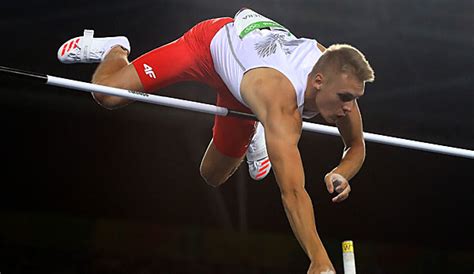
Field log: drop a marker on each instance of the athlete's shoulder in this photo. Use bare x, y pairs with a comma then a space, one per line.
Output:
268, 77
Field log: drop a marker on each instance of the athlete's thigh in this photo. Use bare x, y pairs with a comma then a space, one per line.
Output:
164, 65
232, 135
127, 78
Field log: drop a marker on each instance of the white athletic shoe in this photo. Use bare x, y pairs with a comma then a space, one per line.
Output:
87, 49
257, 156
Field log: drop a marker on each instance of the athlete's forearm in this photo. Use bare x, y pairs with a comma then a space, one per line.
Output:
282, 123
300, 214
286, 163
352, 160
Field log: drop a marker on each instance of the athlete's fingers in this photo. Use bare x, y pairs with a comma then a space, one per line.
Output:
343, 195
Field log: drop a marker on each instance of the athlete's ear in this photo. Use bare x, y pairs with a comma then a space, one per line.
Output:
317, 81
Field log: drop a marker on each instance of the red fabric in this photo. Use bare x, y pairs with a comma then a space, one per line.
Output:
189, 59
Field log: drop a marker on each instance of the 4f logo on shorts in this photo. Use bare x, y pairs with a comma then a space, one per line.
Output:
149, 71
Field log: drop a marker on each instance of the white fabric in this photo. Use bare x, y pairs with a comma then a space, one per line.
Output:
247, 20
85, 44
281, 50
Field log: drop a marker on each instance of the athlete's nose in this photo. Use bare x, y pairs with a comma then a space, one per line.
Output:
347, 107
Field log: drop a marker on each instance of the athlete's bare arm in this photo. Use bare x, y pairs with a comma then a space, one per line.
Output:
351, 131
350, 128
272, 98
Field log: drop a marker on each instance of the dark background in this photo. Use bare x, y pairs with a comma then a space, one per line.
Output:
66, 159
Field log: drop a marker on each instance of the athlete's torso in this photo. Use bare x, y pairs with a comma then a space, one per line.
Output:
241, 46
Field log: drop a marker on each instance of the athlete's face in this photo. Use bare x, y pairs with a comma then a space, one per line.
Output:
336, 94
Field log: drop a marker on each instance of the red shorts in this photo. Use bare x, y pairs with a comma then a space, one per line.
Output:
189, 58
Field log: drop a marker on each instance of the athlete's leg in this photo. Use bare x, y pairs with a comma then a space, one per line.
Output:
186, 58
216, 167
231, 136
116, 71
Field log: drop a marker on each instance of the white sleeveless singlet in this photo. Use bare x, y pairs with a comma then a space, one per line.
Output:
273, 47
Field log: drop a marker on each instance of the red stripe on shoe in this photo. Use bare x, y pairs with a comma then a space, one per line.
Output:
266, 161
76, 42
261, 174
263, 167
64, 49
69, 46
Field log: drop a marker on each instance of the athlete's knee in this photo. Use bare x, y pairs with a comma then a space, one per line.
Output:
108, 101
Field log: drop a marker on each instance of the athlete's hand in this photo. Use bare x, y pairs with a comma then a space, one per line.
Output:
325, 268
337, 183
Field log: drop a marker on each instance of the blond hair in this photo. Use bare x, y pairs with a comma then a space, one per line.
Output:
342, 58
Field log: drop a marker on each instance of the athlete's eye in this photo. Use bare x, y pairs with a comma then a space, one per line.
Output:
346, 97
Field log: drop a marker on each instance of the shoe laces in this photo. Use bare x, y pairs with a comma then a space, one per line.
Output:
252, 147
94, 54
254, 164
